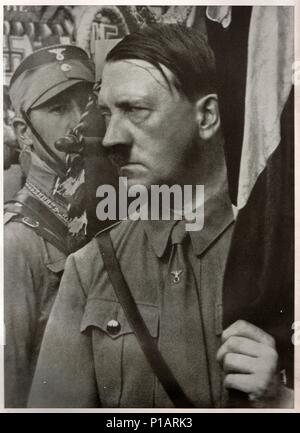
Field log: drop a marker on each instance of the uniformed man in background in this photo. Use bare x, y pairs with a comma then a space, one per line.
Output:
49, 91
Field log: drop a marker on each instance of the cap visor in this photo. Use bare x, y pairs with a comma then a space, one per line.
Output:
59, 88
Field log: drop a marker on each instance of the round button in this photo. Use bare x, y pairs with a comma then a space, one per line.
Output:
65, 67
113, 327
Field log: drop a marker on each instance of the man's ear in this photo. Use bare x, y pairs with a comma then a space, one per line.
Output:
22, 132
208, 116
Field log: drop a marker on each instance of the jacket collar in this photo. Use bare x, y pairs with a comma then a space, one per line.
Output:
218, 216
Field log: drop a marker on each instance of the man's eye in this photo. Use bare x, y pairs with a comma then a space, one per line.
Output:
105, 113
58, 109
134, 108
137, 114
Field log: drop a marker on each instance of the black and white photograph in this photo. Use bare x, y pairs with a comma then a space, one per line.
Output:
149, 207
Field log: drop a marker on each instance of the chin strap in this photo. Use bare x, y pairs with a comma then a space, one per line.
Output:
58, 166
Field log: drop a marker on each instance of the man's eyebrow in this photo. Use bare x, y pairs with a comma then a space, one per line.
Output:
57, 102
133, 100
48, 105
129, 101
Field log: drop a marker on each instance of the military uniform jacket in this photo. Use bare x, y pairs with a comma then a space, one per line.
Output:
90, 356
32, 271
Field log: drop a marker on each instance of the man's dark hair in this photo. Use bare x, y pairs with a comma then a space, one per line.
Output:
184, 51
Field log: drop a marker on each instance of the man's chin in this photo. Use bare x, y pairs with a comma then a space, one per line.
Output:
134, 175
136, 181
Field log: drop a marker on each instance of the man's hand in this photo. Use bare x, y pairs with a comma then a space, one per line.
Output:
249, 359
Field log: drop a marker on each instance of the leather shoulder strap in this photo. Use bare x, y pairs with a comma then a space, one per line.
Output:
39, 210
148, 345
39, 219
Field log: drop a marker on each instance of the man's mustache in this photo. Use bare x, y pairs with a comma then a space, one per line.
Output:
118, 155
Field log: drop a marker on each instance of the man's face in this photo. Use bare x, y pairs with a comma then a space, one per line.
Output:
151, 131
58, 116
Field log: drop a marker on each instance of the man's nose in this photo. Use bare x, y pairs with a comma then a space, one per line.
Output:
116, 133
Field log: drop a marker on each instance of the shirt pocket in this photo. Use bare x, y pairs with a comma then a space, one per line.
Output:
120, 364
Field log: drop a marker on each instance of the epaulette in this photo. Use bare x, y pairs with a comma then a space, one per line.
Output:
8, 216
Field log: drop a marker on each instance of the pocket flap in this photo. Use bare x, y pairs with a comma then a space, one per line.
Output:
102, 314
